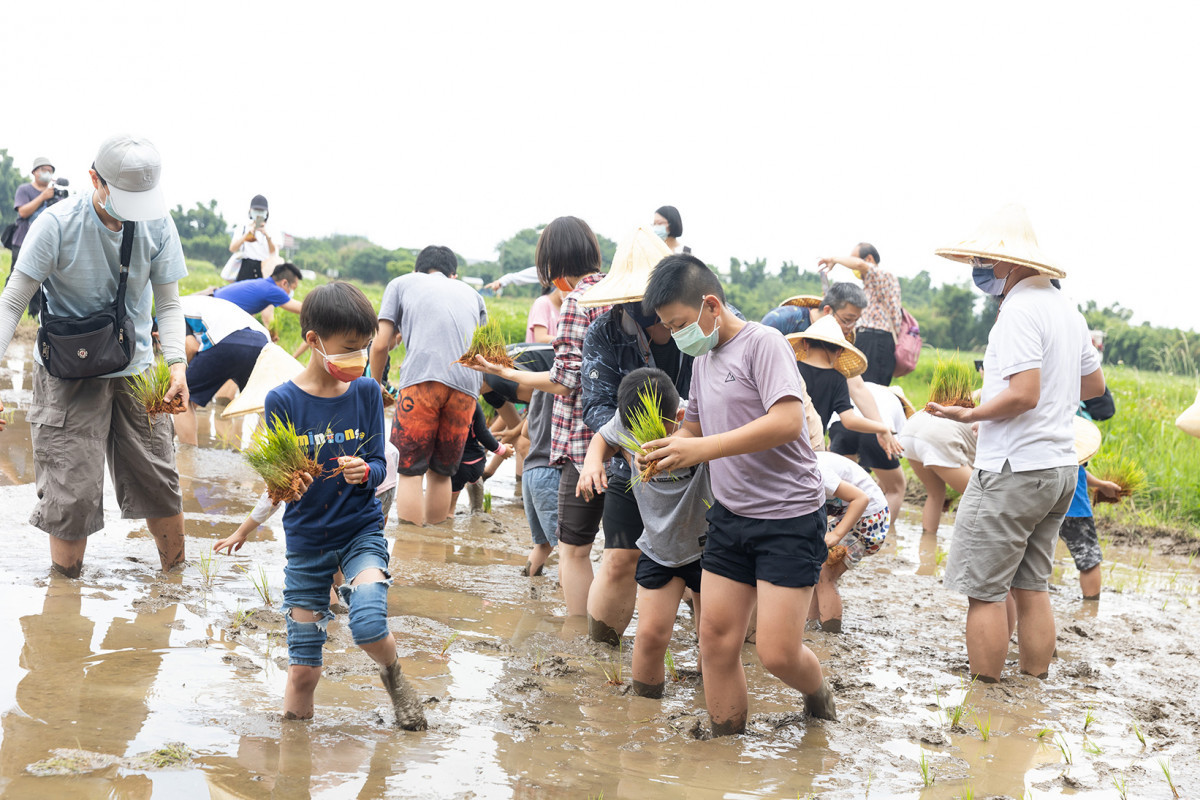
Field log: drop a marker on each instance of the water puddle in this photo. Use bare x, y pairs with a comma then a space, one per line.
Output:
128, 683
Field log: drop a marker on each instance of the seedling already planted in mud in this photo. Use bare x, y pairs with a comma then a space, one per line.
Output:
1089, 718
275, 454
1119, 785
487, 502
1165, 764
487, 341
926, 770
1091, 748
669, 661
1043, 733
208, 565
1137, 731
984, 726
953, 383
150, 387
1065, 749
262, 586
449, 641
613, 670
645, 425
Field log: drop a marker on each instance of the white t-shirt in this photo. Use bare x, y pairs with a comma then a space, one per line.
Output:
835, 469
891, 412
211, 319
1037, 328
257, 249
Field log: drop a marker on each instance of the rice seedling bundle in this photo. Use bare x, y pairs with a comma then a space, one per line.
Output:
837, 554
148, 389
487, 341
645, 425
953, 383
275, 454
1124, 472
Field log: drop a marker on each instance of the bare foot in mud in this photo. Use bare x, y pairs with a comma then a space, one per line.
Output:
409, 714
983, 678
601, 632
291, 716
730, 727
525, 570
832, 626
820, 704
652, 690
72, 571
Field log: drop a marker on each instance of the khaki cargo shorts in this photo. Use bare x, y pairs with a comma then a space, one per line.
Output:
1006, 530
76, 426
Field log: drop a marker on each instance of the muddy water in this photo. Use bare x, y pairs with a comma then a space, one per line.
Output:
102, 671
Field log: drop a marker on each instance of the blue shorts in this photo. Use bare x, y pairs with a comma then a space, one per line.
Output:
784, 552
539, 493
307, 577
231, 359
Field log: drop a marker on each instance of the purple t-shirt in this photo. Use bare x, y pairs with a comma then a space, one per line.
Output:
25, 193
735, 384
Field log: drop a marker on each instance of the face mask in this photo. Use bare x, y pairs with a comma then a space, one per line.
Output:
660, 231
45, 177
985, 278
346, 367
258, 215
694, 342
108, 207
562, 285
634, 310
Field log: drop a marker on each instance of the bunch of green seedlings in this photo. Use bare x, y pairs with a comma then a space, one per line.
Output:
487, 341
275, 454
1125, 473
645, 425
150, 387
953, 383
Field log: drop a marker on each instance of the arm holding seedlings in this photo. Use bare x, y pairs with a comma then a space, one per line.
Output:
1109, 489
857, 502
783, 423
369, 466
171, 333
1022, 394
592, 478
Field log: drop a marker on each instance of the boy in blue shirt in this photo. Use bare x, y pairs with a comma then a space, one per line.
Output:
334, 522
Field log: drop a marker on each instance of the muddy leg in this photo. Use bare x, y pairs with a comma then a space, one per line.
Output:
66, 555
987, 639
891, 481
727, 605
656, 621
613, 594
1036, 637
168, 536
781, 645
537, 559
301, 682
827, 598
1089, 582
475, 493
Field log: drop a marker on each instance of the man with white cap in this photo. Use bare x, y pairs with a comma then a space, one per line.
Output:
1039, 364
74, 254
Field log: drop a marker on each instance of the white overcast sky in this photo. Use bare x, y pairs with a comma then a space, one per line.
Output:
780, 130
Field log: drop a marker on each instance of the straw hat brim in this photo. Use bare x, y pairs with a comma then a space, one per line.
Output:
897, 390
963, 255
273, 368
1007, 235
803, 300
1189, 420
1087, 439
627, 278
850, 362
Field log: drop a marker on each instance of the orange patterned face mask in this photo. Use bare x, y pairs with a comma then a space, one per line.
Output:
562, 285
346, 367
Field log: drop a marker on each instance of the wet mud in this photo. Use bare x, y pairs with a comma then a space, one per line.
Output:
132, 683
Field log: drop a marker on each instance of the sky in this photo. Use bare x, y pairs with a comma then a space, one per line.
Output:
785, 131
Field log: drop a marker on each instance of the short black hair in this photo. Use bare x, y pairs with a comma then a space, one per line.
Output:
844, 294
674, 221
635, 383
338, 307
286, 270
437, 258
867, 249
680, 279
103, 182
567, 248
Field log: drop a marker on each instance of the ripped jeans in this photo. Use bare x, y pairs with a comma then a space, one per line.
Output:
306, 581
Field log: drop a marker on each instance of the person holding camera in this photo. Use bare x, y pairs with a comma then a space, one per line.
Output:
253, 244
31, 200
101, 261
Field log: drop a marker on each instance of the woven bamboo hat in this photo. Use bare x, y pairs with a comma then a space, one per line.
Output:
804, 301
1005, 236
850, 362
273, 367
635, 259
904, 401
1189, 420
1087, 439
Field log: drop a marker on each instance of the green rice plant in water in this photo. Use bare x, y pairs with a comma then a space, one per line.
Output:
262, 586
953, 383
1065, 749
984, 725
645, 425
613, 670
926, 770
487, 341
1137, 731
449, 641
487, 502
275, 454
171, 755
669, 661
1091, 748
148, 389
1119, 785
208, 565
1165, 765
1089, 718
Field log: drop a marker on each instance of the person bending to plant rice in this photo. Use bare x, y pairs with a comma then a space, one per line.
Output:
333, 521
73, 255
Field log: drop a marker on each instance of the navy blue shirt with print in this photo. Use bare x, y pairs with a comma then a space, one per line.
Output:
332, 512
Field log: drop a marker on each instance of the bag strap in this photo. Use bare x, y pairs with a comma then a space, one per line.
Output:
126, 256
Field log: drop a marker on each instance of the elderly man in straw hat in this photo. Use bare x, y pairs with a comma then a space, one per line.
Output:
1039, 364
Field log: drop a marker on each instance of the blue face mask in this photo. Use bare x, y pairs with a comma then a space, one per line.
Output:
694, 342
985, 278
108, 206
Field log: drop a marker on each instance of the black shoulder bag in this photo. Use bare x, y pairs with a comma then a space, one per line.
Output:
86, 347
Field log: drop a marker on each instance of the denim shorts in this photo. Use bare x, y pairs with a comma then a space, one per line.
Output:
307, 577
540, 495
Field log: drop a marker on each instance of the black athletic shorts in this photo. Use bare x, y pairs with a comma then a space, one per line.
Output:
467, 473
653, 575
864, 445
622, 520
785, 552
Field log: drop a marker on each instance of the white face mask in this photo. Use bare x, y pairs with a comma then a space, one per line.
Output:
45, 176
258, 215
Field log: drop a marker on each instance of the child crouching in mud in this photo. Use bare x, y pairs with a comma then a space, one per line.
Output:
672, 506
335, 522
858, 523
766, 527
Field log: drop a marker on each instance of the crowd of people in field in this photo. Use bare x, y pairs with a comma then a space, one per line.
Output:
740, 467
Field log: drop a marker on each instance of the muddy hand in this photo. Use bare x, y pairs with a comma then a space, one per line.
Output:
481, 364
178, 384
354, 470
591, 484
956, 413
306, 481
676, 452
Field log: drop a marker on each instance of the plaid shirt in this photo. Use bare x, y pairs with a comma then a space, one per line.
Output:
883, 302
569, 436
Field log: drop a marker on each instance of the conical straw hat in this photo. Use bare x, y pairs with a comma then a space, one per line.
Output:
635, 259
1087, 439
850, 362
273, 367
1005, 236
904, 401
803, 300
1189, 420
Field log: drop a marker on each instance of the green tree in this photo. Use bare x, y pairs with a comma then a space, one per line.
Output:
203, 232
11, 179
516, 252
369, 264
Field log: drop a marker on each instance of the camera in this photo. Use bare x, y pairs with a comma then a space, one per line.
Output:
60, 192
978, 365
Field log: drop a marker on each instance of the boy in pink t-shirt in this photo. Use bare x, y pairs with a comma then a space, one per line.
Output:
766, 528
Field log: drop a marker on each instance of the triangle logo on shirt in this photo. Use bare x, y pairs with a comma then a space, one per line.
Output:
729, 378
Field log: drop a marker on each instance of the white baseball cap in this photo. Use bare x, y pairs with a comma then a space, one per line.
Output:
131, 167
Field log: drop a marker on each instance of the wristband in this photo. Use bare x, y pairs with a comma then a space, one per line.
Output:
367, 474
173, 361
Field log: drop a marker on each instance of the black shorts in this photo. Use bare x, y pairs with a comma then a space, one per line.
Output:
231, 359
653, 575
880, 349
784, 552
622, 520
578, 519
467, 473
864, 445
